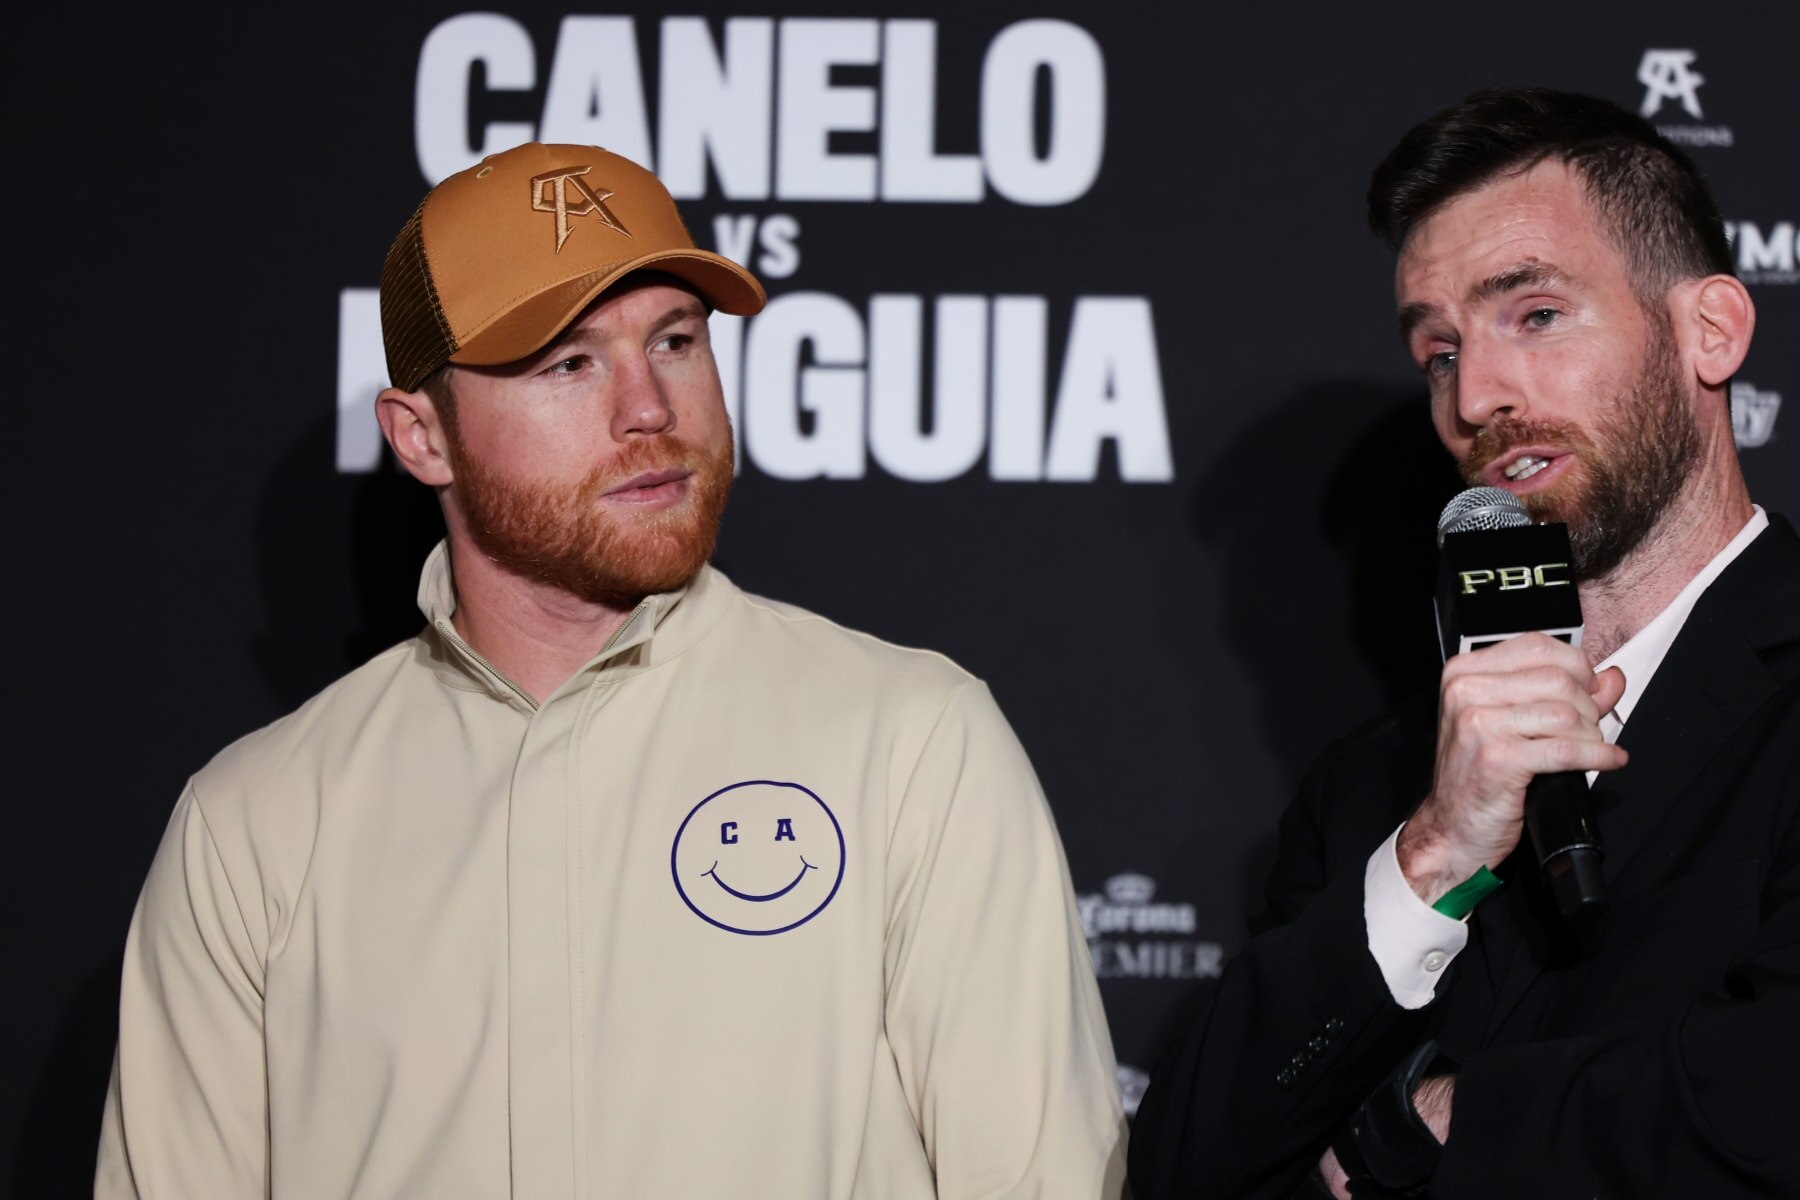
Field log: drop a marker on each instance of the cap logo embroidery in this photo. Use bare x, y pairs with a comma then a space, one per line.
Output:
591, 202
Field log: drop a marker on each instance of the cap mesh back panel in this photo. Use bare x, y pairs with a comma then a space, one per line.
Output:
413, 327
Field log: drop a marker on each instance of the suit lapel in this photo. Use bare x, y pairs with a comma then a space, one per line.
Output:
1708, 685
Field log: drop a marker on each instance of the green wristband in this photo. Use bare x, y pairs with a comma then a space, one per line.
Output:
1461, 900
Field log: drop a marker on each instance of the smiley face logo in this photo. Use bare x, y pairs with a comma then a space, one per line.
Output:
758, 857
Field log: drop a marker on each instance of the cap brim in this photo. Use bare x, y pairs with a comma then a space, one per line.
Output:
534, 322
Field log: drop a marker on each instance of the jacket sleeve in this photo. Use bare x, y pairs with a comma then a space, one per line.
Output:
186, 1113
1701, 1104
992, 1010
1298, 1031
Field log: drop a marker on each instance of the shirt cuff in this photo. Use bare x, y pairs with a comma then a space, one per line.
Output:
1410, 941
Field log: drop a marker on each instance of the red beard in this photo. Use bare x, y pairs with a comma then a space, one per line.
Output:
566, 536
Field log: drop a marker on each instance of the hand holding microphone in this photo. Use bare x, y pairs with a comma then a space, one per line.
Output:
1522, 708
1518, 710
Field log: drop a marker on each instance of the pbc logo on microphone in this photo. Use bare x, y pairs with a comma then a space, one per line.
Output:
1512, 579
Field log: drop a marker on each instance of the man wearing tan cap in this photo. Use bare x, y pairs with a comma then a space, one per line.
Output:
615, 881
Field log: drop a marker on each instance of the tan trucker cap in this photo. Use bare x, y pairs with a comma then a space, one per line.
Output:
499, 258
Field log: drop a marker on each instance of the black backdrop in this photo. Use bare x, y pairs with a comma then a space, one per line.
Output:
1173, 497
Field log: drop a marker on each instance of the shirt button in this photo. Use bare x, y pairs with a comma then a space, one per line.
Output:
1334, 1026
1434, 962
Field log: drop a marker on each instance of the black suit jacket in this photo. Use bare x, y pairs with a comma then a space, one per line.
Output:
1657, 1054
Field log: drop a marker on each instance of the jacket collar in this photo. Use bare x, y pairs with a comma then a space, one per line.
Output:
1714, 678
1643, 653
659, 628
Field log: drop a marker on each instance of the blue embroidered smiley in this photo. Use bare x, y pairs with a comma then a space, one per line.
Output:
758, 857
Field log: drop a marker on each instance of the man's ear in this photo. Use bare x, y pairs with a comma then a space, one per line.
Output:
415, 432
1714, 319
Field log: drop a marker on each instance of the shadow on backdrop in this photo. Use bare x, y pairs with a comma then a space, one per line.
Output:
1322, 515
61, 1126
325, 544
328, 543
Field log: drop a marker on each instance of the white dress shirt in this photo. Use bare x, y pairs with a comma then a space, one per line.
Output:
1412, 942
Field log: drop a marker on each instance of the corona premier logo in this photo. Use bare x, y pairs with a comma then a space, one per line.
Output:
1130, 888
592, 202
1130, 936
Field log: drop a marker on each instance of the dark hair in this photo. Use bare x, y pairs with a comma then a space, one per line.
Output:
1649, 196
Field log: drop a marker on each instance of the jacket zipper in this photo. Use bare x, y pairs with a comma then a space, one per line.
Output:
624, 625
449, 631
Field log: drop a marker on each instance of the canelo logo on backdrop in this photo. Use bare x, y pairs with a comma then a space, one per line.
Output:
1130, 937
1669, 75
592, 202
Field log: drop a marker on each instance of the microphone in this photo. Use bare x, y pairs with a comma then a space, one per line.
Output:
1499, 576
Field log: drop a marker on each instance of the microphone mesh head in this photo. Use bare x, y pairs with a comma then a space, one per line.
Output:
1478, 509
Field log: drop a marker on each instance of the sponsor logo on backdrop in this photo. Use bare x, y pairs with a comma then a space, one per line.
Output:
1753, 414
755, 112
1763, 253
1132, 1085
1131, 936
1669, 77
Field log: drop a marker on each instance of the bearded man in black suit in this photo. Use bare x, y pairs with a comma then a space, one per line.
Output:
1405, 1023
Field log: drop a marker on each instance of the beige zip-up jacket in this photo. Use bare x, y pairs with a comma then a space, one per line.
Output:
754, 906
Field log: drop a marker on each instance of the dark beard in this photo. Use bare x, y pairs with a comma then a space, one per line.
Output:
562, 535
1653, 445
